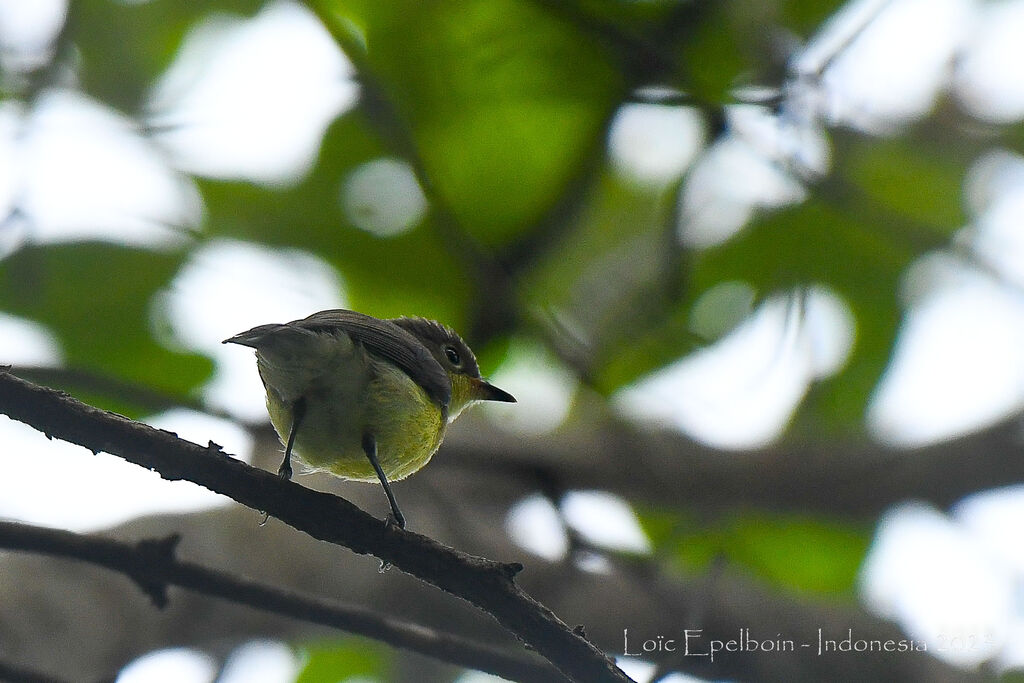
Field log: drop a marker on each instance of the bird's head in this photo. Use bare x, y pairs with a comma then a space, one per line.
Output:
458, 361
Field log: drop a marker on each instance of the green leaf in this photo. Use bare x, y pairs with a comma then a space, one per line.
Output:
502, 101
713, 57
911, 181
690, 546
806, 17
95, 297
124, 46
341, 661
638, 19
808, 554
805, 554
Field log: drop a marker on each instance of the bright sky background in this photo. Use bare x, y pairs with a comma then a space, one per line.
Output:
958, 363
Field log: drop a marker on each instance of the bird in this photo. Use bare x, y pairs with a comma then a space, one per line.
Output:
365, 398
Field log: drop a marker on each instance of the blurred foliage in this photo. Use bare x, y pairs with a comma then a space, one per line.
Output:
95, 297
883, 170
807, 555
815, 242
502, 107
388, 277
499, 100
343, 660
123, 47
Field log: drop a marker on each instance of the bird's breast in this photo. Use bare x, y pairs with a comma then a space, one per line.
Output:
355, 395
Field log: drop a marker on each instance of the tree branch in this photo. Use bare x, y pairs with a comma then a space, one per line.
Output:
853, 479
16, 674
99, 384
152, 565
485, 583
647, 595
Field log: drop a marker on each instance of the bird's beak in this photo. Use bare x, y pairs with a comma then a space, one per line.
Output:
485, 391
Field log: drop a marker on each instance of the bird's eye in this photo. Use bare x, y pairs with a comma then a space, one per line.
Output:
452, 355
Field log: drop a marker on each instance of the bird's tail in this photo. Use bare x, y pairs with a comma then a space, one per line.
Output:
274, 334
290, 357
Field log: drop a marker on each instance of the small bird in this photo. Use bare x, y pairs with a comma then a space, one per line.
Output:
364, 398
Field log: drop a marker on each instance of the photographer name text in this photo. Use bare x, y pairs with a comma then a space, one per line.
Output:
696, 643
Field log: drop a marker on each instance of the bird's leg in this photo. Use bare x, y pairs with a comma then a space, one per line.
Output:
298, 412
370, 448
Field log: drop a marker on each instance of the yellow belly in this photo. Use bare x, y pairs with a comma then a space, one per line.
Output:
406, 425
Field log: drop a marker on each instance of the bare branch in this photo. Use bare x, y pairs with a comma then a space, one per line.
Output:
645, 595
485, 583
15, 674
99, 384
153, 566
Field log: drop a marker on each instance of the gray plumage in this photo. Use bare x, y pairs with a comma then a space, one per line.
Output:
394, 340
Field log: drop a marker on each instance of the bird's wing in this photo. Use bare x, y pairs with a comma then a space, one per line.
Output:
389, 341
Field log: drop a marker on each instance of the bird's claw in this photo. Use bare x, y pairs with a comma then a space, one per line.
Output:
394, 520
